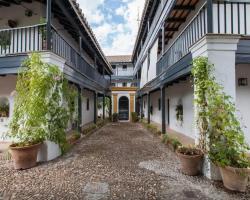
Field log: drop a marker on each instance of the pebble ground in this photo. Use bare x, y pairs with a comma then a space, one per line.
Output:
119, 161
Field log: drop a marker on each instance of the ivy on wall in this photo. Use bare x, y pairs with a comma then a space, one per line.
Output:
220, 130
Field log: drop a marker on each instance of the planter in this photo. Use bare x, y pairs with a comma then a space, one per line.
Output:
24, 157
190, 164
49, 151
235, 179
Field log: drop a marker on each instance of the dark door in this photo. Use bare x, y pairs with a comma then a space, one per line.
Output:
123, 108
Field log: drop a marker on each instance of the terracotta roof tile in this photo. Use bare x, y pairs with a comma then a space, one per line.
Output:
120, 58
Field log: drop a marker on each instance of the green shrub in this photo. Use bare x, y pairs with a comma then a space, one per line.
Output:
44, 105
217, 119
134, 116
176, 143
115, 117
165, 138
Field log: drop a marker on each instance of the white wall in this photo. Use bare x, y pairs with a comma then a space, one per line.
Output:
119, 71
87, 115
7, 88
243, 99
181, 92
156, 116
144, 73
153, 61
145, 106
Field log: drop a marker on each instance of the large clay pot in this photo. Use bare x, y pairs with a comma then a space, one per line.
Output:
24, 157
190, 165
235, 179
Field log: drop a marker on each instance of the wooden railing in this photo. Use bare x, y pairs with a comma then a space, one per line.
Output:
196, 29
33, 38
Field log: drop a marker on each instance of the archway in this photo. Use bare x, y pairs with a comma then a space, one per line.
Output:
123, 108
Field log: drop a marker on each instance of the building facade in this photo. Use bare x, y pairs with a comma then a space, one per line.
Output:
173, 33
59, 32
124, 86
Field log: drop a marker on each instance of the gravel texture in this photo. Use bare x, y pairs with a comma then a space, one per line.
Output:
119, 161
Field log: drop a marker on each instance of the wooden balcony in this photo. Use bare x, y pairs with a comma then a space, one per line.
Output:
24, 40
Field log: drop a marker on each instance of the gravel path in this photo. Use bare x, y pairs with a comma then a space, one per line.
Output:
120, 161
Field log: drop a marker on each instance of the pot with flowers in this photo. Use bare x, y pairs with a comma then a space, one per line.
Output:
191, 159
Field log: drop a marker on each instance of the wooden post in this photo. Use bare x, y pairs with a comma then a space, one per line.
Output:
141, 107
48, 24
95, 107
148, 100
163, 114
103, 106
79, 107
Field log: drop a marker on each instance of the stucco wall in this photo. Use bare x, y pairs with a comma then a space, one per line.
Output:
7, 88
243, 99
156, 116
87, 115
181, 92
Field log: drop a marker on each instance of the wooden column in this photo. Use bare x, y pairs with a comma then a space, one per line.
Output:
115, 99
79, 107
48, 24
141, 107
148, 101
163, 114
110, 107
95, 107
103, 106
163, 39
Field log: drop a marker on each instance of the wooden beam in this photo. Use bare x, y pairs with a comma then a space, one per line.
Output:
184, 7
176, 20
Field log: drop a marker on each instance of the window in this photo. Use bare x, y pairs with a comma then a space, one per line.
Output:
114, 66
4, 107
124, 84
159, 104
87, 104
113, 84
124, 67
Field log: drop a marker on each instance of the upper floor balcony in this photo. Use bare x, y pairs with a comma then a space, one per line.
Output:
28, 27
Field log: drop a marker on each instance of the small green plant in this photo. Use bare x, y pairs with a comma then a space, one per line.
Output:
190, 151
175, 142
5, 39
179, 113
165, 138
4, 107
115, 117
134, 116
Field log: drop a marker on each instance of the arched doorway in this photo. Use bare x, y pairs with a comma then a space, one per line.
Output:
123, 108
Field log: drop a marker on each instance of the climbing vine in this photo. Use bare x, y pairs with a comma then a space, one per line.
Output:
43, 105
217, 120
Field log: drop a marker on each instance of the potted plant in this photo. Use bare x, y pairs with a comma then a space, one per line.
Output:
228, 149
191, 159
115, 117
135, 117
42, 111
221, 134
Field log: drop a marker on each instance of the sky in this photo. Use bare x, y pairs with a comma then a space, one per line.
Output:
114, 22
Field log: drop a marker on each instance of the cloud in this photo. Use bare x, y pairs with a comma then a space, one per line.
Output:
115, 23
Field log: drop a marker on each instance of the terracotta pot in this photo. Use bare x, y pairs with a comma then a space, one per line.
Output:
235, 179
24, 157
191, 165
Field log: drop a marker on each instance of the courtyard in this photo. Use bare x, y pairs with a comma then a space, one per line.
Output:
119, 161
